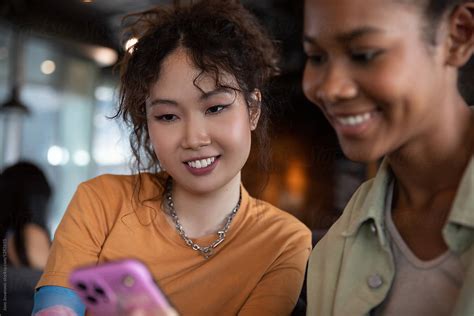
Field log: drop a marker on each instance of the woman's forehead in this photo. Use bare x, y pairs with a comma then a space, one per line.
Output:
336, 17
181, 79
179, 66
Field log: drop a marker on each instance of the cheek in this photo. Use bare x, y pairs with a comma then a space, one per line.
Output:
158, 141
236, 130
309, 83
386, 85
152, 134
396, 77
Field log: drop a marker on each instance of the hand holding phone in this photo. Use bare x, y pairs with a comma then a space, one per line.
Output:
120, 288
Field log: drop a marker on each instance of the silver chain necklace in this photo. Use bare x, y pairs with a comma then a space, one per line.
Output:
208, 251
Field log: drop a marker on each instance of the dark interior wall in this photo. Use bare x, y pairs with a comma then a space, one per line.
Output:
69, 20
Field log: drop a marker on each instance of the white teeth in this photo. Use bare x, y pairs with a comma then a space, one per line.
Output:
354, 120
202, 163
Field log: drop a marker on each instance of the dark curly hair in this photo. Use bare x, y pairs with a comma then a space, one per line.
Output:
219, 36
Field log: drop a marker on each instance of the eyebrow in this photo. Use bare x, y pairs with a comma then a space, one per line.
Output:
163, 102
347, 36
204, 96
219, 90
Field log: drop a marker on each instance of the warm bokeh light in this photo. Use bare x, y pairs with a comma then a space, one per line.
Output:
296, 178
130, 43
104, 56
296, 184
48, 67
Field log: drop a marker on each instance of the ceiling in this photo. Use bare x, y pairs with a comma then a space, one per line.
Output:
98, 22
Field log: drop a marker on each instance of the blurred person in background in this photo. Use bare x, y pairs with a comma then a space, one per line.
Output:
24, 195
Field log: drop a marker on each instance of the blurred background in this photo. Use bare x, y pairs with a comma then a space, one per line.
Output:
58, 85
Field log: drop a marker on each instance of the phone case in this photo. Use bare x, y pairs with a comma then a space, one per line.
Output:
116, 288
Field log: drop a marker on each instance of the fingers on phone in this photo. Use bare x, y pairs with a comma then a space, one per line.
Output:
141, 312
172, 312
56, 310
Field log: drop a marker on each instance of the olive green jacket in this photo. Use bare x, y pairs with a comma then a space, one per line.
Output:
351, 269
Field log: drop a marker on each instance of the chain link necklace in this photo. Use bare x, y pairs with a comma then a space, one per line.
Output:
208, 251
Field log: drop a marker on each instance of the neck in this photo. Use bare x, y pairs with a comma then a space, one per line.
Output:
431, 166
203, 214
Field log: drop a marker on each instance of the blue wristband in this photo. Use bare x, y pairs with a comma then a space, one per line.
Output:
47, 296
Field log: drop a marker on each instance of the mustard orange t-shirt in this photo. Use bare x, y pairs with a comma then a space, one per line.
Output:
258, 269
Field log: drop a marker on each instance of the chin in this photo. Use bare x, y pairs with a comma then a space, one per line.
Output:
205, 186
200, 188
360, 154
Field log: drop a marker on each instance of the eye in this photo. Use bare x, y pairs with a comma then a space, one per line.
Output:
365, 57
166, 117
216, 109
316, 59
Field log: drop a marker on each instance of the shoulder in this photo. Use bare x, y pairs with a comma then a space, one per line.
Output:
108, 196
271, 214
350, 214
326, 258
119, 186
109, 183
360, 195
277, 236
331, 247
37, 244
35, 232
340, 260
272, 218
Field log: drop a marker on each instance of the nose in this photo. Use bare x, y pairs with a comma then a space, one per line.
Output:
196, 134
329, 84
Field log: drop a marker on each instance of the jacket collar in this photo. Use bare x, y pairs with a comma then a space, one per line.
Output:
368, 205
459, 230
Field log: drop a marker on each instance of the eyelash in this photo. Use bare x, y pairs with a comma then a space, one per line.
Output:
365, 57
219, 107
358, 57
163, 118
167, 118
316, 59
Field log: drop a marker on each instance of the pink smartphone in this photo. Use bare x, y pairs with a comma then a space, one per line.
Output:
117, 288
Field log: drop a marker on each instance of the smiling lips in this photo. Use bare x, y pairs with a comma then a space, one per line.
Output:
201, 166
353, 120
354, 124
201, 163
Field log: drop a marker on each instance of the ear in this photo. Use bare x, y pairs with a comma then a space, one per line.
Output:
255, 108
461, 33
